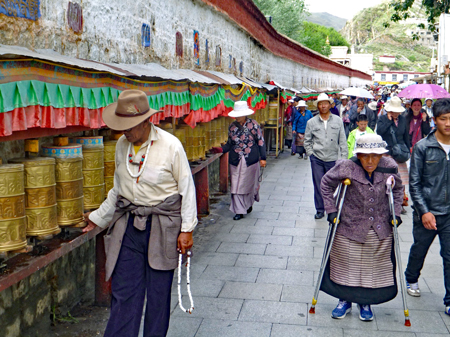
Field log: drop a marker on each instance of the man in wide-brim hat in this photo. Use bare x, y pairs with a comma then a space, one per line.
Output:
151, 213
325, 142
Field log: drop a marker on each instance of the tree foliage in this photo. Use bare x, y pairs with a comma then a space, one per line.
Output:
433, 9
288, 18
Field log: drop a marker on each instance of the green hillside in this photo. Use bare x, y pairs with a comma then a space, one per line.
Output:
366, 31
327, 20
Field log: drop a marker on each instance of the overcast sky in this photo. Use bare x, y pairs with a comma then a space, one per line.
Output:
342, 8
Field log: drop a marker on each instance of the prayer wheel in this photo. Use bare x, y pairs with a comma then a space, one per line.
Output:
110, 164
266, 112
13, 222
189, 141
273, 111
93, 177
40, 195
216, 126
208, 141
68, 151
69, 191
92, 141
199, 134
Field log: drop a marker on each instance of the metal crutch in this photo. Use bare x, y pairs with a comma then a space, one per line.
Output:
328, 244
398, 258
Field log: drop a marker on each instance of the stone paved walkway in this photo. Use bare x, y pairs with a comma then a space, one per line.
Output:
256, 276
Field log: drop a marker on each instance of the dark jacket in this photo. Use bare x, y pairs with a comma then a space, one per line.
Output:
429, 183
366, 205
384, 130
371, 116
425, 127
256, 152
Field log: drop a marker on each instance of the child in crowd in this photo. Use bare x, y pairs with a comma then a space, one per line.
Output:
362, 129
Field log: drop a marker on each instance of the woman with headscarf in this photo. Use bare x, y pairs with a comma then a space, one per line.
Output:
361, 267
417, 122
392, 128
302, 116
247, 153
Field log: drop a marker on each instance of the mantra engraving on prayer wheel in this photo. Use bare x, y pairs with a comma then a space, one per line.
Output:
13, 234
93, 196
13, 221
110, 168
109, 164
69, 191
92, 158
70, 212
93, 177
40, 195
11, 180
12, 207
42, 221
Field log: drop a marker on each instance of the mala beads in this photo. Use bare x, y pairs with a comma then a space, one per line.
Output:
188, 281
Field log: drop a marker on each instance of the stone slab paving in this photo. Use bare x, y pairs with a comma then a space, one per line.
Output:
256, 276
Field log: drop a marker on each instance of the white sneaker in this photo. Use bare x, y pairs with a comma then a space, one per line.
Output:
413, 289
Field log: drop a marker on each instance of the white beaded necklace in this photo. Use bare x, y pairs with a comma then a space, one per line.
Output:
188, 281
141, 164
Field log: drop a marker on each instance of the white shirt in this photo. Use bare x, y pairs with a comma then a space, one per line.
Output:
166, 173
324, 121
446, 148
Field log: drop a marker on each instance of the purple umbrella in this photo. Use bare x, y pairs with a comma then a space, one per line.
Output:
424, 91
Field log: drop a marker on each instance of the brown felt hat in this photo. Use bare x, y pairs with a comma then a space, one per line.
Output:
131, 109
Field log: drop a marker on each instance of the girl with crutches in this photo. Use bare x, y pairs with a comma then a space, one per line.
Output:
361, 267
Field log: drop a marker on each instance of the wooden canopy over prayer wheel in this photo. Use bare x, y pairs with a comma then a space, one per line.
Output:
40, 195
94, 177
110, 164
13, 221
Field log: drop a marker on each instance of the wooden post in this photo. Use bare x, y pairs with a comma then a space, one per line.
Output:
202, 190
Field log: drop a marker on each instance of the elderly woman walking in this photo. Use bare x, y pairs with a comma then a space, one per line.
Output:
247, 153
361, 268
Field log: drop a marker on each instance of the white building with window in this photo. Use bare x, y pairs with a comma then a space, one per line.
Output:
395, 77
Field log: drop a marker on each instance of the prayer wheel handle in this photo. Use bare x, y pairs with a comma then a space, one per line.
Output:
347, 182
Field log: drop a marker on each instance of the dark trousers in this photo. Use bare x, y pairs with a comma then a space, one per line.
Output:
423, 238
319, 168
131, 280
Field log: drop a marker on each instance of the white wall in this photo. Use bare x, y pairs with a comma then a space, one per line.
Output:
112, 33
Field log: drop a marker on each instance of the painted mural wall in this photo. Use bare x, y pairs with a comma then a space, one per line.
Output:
173, 33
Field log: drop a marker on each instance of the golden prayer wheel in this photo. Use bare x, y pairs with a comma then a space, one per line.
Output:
208, 143
69, 191
181, 135
109, 184
215, 129
13, 221
199, 134
40, 195
266, 112
109, 164
69, 151
189, 137
94, 177
273, 111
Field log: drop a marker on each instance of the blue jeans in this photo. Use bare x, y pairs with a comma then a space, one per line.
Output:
423, 238
319, 168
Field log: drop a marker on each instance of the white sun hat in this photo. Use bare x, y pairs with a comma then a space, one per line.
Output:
394, 105
371, 143
323, 97
302, 104
241, 109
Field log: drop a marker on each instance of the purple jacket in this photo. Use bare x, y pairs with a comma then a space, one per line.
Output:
365, 206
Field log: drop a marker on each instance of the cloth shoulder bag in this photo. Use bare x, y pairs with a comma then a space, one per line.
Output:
400, 152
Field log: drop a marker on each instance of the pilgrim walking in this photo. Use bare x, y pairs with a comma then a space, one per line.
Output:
361, 268
247, 153
151, 213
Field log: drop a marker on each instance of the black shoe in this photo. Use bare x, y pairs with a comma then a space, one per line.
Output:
319, 215
238, 217
292, 153
250, 210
